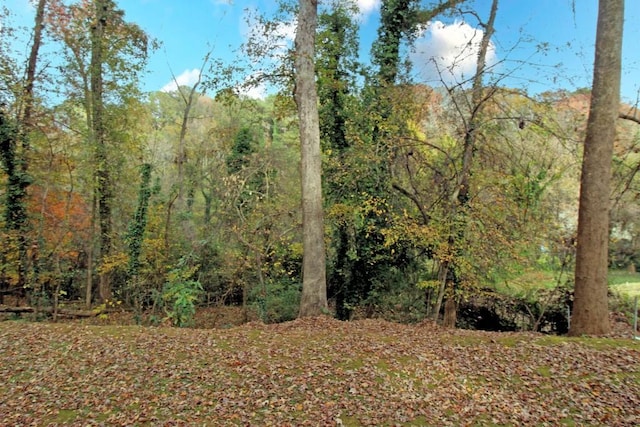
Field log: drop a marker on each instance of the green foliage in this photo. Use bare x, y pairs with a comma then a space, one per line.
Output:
18, 180
243, 146
181, 294
137, 226
623, 253
336, 67
397, 20
278, 301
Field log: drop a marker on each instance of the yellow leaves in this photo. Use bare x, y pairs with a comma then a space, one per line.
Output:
339, 212
114, 262
428, 284
295, 249
416, 130
406, 230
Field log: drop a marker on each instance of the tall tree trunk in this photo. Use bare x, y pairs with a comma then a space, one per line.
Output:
27, 126
31, 70
590, 309
314, 281
102, 172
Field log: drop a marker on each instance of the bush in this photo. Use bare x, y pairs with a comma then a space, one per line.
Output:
180, 295
278, 301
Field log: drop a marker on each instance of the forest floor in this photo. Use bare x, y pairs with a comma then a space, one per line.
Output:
312, 372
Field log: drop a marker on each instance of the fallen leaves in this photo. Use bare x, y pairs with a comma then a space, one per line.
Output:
311, 372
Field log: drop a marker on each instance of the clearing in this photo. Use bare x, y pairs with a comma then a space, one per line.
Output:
312, 372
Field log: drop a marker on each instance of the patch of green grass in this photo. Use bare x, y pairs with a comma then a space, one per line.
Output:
351, 364
383, 366
511, 340
466, 340
634, 376
530, 281
420, 421
595, 343
568, 422
66, 416
484, 420
254, 334
618, 277
544, 371
515, 380
349, 421
631, 289
417, 422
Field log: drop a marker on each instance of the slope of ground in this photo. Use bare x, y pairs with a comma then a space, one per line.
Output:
312, 372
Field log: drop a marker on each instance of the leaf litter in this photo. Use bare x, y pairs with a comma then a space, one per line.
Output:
315, 372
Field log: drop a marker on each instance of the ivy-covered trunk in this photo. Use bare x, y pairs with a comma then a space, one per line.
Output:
104, 195
14, 155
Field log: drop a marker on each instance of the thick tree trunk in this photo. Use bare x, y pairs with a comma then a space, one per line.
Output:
102, 172
314, 282
450, 313
590, 309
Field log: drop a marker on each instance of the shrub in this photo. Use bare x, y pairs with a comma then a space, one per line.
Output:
278, 301
180, 296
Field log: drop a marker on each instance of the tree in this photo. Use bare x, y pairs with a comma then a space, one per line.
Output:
337, 46
103, 57
314, 282
14, 153
399, 19
590, 309
460, 196
104, 192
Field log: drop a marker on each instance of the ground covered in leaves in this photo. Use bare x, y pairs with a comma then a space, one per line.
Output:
312, 372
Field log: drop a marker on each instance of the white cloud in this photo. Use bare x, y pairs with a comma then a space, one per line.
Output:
253, 92
187, 78
368, 6
268, 39
449, 53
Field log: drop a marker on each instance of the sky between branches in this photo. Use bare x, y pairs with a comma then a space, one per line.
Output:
541, 46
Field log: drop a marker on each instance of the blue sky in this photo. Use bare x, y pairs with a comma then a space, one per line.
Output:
188, 29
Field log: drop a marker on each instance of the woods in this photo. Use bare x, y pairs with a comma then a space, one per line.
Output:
353, 189
369, 213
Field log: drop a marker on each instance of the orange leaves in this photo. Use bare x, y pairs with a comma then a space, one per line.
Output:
64, 217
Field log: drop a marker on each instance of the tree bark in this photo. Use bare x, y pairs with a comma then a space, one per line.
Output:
314, 282
590, 309
102, 172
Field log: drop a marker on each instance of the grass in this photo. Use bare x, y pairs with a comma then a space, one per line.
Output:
619, 277
314, 372
621, 281
630, 289
599, 344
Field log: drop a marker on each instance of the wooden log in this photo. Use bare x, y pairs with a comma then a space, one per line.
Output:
60, 312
